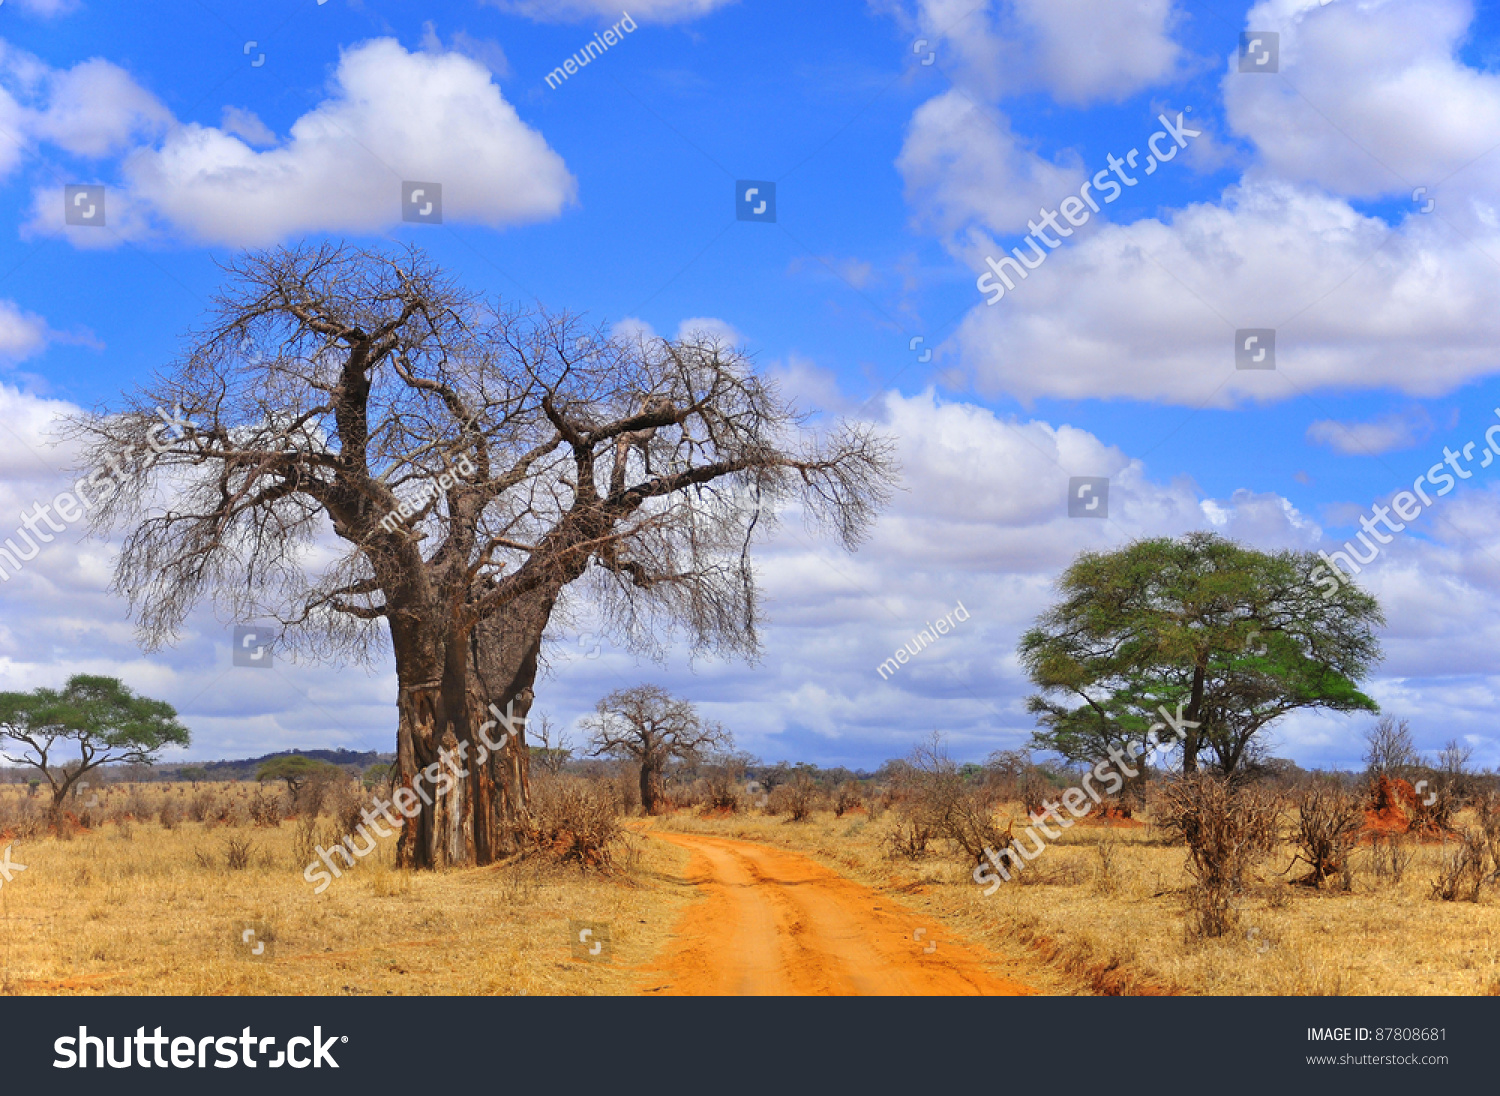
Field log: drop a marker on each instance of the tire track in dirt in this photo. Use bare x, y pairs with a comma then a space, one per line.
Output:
773, 922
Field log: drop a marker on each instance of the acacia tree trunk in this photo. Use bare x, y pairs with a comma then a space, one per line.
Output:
1192, 736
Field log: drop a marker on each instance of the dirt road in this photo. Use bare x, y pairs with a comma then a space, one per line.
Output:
771, 922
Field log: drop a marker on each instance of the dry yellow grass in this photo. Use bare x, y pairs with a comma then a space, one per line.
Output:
142, 909
1123, 930
132, 910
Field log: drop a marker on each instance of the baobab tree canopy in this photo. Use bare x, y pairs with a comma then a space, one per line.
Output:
652, 728
375, 451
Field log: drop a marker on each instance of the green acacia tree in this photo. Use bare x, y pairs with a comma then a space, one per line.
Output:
97, 718
296, 770
1235, 636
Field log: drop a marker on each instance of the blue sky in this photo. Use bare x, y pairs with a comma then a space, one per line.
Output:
612, 195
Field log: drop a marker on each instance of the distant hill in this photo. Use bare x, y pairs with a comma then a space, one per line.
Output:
354, 761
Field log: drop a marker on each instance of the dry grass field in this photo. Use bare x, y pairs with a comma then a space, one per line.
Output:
131, 907
150, 890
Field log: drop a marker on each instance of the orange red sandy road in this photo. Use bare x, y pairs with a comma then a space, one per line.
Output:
772, 922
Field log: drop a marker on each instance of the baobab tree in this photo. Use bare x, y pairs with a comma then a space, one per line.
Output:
649, 726
377, 452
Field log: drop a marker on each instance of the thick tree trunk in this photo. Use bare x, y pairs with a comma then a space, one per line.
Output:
436, 774
506, 649
650, 787
464, 713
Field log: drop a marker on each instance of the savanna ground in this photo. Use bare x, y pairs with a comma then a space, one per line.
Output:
1104, 908
130, 906
149, 892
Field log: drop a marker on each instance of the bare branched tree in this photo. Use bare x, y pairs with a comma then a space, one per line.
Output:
554, 748
1390, 749
651, 727
374, 452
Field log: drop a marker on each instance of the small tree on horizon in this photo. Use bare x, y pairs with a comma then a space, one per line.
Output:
649, 726
551, 753
375, 774
98, 717
296, 770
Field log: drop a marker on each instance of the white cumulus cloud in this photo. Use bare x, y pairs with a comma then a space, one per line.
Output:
391, 116
1371, 98
1079, 51
1149, 310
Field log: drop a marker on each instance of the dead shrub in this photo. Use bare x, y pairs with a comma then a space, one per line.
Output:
1465, 870
310, 798
169, 815
237, 855
305, 839
264, 809
137, 805
202, 805
908, 840
30, 825
1226, 830
575, 820
795, 798
1033, 790
1328, 824
626, 786
1488, 810
1107, 870
1438, 815
22, 819
933, 794
345, 799
846, 798
1390, 856
723, 783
